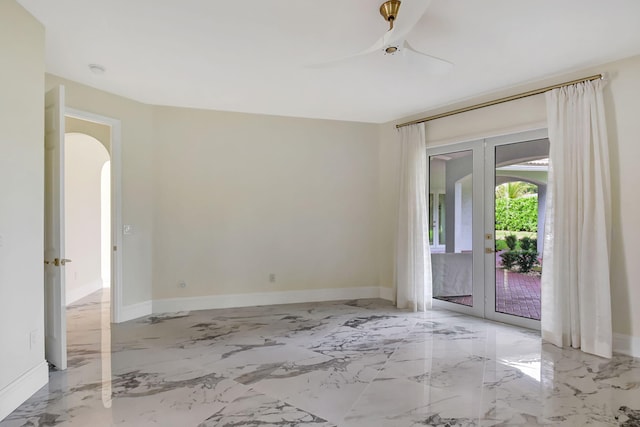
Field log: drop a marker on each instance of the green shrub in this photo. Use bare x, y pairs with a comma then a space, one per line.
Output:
525, 243
519, 214
526, 260
511, 241
509, 259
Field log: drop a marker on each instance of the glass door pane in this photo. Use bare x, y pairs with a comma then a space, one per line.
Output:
451, 226
516, 193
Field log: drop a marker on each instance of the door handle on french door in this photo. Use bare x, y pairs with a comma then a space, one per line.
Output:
489, 250
58, 262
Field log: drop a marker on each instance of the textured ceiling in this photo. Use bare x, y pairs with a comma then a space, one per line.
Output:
257, 55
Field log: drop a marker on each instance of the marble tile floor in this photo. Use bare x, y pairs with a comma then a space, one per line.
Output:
348, 363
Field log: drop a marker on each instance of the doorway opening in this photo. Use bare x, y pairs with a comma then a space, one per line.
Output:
106, 131
87, 210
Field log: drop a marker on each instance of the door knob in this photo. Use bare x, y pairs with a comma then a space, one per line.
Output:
58, 262
489, 250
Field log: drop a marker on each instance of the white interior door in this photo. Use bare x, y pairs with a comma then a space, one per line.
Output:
54, 277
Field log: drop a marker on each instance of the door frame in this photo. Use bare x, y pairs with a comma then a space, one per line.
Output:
483, 222
116, 204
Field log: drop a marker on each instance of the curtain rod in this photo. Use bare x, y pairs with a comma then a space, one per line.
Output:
499, 101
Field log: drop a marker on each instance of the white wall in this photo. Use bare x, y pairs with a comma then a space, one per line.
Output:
622, 104
97, 130
105, 224
240, 196
84, 158
22, 366
437, 176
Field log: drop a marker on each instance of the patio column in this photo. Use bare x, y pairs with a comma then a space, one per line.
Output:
542, 205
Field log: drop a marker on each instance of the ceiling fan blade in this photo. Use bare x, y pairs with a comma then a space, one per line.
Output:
378, 46
430, 64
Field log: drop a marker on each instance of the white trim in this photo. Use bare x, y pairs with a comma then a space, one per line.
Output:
134, 311
21, 389
487, 134
626, 344
83, 291
387, 293
116, 204
172, 305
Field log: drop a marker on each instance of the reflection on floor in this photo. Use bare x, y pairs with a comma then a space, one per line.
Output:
349, 363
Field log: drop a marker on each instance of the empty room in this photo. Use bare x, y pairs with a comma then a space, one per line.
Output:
319, 213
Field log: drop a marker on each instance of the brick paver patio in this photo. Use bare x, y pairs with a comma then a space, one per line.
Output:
517, 294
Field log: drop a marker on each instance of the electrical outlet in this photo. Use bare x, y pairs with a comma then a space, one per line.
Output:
272, 277
182, 284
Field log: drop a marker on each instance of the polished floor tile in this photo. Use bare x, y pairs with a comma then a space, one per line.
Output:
346, 364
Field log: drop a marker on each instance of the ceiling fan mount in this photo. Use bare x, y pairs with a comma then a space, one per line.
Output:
389, 11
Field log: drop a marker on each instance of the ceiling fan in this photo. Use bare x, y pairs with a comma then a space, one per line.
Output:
393, 42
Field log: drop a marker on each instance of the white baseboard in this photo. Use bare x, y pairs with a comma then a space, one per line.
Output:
83, 291
387, 293
14, 394
626, 344
134, 311
172, 305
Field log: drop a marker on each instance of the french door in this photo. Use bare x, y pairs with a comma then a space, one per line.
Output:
467, 183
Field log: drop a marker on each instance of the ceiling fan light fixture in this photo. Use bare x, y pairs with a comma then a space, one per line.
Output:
390, 50
389, 11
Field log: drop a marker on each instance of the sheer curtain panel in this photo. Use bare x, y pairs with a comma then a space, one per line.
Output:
576, 297
413, 257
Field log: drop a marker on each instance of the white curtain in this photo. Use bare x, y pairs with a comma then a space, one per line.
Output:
413, 257
576, 299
